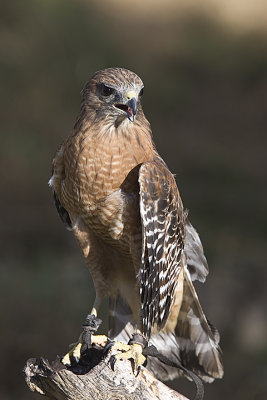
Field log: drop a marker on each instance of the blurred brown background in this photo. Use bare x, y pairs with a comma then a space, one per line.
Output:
204, 64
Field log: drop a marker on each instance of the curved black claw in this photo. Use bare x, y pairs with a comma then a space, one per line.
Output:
138, 370
112, 362
69, 360
108, 346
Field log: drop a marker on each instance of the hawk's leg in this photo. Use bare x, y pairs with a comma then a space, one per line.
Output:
87, 338
133, 350
121, 351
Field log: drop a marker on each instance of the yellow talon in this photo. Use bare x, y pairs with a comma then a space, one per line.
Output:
100, 340
75, 352
120, 346
66, 359
129, 351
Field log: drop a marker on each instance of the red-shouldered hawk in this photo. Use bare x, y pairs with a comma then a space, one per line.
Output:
118, 197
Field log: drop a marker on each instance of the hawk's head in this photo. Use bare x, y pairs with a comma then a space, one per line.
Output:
114, 93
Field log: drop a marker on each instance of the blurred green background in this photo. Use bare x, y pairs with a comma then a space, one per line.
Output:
204, 65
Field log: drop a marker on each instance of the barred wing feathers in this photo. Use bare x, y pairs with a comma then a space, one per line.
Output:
163, 240
172, 250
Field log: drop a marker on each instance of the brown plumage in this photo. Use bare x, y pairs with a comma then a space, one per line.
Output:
118, 197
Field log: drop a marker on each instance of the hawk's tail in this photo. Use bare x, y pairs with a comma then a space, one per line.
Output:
194, 342
197, 338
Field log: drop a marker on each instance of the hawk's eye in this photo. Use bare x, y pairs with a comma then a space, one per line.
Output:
106, 90
141, 92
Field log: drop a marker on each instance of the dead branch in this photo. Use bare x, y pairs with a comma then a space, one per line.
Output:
95, 380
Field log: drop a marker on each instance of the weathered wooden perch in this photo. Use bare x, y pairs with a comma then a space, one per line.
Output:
95, 380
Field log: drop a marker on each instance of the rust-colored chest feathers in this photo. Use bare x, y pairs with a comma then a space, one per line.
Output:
97, 163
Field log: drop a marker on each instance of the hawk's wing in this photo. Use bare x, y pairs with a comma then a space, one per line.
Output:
55, 183
195, 258
163, 222
172, 250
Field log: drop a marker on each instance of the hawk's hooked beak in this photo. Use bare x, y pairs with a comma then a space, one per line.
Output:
130, 107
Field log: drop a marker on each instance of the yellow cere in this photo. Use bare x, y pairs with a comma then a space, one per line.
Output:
130, 94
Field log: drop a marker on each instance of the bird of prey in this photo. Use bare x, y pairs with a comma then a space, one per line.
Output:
116, 194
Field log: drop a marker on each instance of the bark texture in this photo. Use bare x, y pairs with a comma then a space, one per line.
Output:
95, 380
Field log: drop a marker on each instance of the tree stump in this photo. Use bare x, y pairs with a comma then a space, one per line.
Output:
95, 380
